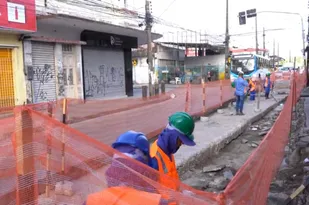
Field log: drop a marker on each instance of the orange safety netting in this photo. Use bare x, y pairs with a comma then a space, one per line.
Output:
37, 151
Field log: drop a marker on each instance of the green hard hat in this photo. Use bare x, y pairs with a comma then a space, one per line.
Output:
268, 74
184, 123
233, 84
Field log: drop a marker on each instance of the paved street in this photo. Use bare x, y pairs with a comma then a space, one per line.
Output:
149, 119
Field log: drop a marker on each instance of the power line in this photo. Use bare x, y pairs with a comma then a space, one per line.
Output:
168, 7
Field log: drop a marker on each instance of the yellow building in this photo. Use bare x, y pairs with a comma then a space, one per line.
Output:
12, 80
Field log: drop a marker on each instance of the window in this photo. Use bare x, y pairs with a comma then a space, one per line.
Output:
244, 65
67, 48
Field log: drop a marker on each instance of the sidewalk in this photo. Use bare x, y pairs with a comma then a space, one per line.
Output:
219, 129
149, 119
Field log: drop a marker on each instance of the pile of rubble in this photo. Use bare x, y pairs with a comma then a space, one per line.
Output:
295, 166
214, 174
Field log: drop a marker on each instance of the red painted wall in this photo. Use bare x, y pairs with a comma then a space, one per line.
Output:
18, 15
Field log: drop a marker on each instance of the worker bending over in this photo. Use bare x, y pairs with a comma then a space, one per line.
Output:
124, 186
177, 132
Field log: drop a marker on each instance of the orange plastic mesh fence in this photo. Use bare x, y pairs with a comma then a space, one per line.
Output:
33, 164
32, 146
251, 183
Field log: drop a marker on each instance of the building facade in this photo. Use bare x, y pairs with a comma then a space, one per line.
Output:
76, 53
16, 18
168, 61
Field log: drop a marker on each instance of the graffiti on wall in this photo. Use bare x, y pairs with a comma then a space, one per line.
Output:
61, 88
42, 75
98, 82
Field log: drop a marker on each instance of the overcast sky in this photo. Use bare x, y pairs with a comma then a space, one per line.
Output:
209, 17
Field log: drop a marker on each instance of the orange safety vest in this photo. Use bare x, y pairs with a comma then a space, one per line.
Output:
266, 82
123, 196
166, 166
252, 85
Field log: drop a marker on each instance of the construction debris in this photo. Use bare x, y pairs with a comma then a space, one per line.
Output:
214, 174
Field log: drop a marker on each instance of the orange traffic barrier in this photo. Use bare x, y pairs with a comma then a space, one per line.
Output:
31, 151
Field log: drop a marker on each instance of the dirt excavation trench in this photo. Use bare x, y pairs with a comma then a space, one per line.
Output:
213, 174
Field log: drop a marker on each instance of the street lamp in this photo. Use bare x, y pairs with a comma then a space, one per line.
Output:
253, 13
302, 24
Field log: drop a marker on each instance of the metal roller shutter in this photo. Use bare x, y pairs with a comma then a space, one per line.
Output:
44, 79
7, 97
104, 73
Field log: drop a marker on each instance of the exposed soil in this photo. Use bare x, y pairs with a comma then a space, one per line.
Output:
293, 170
214, 174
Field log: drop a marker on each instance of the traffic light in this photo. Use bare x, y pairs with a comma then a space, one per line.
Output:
242, 18
251, 13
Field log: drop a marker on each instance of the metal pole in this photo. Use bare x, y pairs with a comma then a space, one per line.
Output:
256, 36
302, 27
259, 96
227, 40
274, 54
177, 51
263, 41
149, 46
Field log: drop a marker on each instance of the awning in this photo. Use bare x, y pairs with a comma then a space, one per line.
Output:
78, 25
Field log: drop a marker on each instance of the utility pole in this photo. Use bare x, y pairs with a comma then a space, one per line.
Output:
125, 4
263, 41
307, 49
149, 21
274, 53
227, 40
256, 36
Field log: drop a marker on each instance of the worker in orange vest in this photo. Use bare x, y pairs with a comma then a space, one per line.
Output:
177, 132
123, 196
121, 180
252, 85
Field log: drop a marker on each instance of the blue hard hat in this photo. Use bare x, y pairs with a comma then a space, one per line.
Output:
134, 139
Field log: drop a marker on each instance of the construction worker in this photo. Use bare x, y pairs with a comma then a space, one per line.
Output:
123, 196
136, 146
252, 85
267, 85
240, 87
177, 132
121, 181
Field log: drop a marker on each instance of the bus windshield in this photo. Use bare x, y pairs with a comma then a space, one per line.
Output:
246, 65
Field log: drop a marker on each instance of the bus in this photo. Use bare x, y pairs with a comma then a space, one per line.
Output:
250, 64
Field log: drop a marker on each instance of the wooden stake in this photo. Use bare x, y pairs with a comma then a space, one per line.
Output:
48, 155
64, 113
204, 96
27, 187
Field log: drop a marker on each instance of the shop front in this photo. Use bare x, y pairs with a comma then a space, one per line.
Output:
107, 65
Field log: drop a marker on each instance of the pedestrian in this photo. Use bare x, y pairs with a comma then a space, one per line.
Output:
240, 89
267, 85
209, 76
252, 86
125, 187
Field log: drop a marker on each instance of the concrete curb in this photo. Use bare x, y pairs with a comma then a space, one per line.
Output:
214, 148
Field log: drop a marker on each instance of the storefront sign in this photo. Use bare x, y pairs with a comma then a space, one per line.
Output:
18, 15
108, 40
